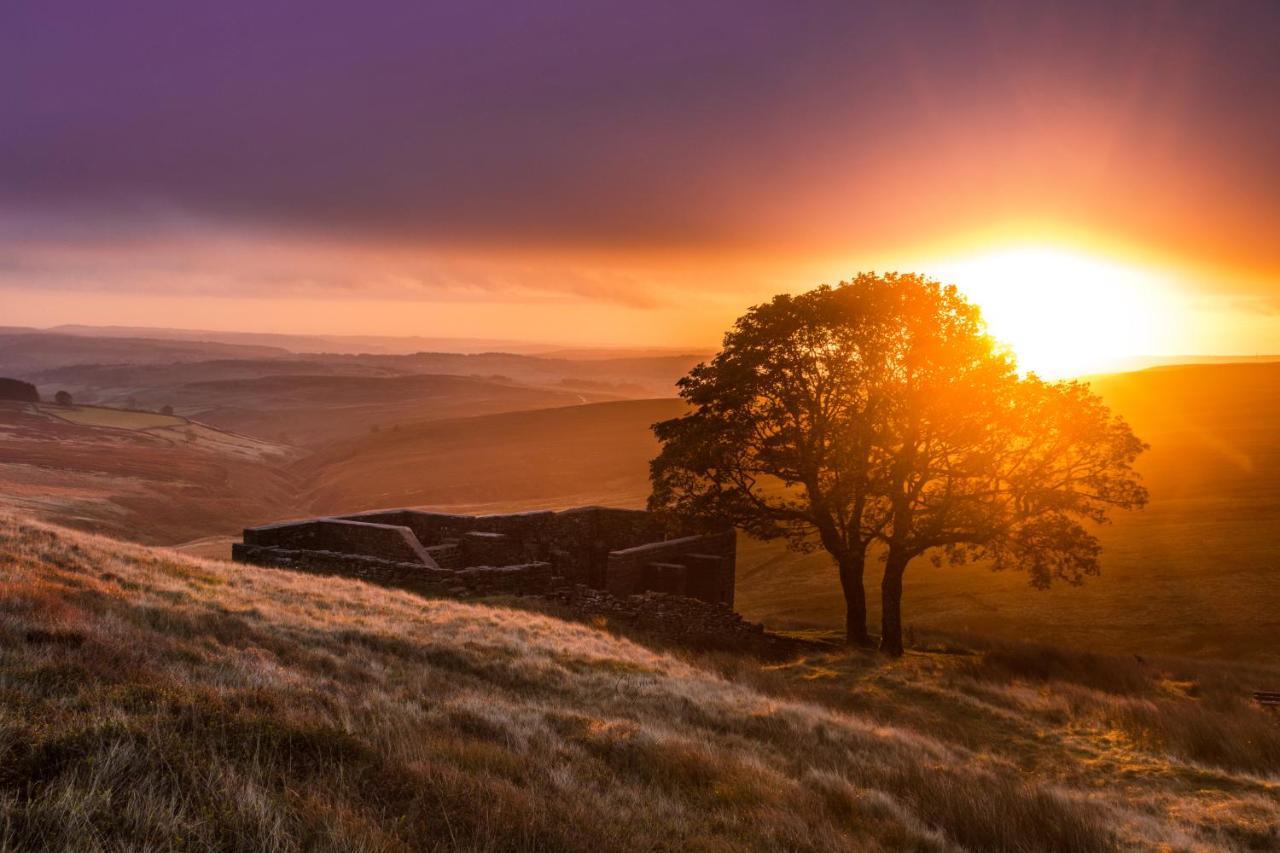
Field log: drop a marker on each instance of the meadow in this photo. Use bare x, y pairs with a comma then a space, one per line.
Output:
155, 701
1192, 574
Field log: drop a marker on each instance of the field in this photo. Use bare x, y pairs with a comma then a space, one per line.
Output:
553, 457
107, 417
310, 400
156, 701
1195, 573
148, 477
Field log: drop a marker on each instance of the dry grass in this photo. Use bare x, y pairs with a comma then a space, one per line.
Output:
115, 418
152, 701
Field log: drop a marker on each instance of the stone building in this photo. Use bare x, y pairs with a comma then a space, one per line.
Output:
621, 551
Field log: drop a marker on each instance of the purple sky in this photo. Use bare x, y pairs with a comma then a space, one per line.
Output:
587, 147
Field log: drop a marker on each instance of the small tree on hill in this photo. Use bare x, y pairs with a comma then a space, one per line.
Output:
63, 398
880, 411
166, 410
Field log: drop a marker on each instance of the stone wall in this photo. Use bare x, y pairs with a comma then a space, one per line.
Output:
384, 541
699, 567
622, 550
681, 621
599, 563
522, 579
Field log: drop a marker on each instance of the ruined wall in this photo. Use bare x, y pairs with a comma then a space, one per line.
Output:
577, 541
384, 541
624, 551
523, 579
699, 567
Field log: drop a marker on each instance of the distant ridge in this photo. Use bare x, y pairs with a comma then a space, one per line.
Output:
347, 344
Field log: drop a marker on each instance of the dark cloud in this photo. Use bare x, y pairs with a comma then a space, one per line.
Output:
639, 123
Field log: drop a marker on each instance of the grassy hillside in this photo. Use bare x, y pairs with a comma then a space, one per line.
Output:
314, 410
552, 457
141, 475
154, 701
1197, 572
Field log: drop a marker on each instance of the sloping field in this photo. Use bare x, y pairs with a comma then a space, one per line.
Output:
148, 477
153, 701
108, 417
312, 410
1197, 572
550, 457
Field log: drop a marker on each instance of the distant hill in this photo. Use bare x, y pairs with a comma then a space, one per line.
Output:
153, 701
140, 475
1194, 573
551, 457
309, 343
1197, 572
313, 410
1143, 362
24, 353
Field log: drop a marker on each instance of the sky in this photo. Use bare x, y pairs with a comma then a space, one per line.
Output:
630, 174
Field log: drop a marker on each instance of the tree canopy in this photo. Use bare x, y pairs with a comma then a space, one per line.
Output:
881, 413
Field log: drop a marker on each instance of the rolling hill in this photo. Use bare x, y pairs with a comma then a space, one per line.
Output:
1197, 572
153, 701
22, 353
558, 457
1194, 573
141, 475
314, 410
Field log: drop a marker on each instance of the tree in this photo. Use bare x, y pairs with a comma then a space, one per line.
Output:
980, 463
166, 410
16, 389
780, 440
881, 411
63, 398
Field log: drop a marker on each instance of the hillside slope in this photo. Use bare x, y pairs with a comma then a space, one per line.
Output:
146, 476
595, 453
157, 701
1196, 572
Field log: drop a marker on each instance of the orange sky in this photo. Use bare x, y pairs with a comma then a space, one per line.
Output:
587, 174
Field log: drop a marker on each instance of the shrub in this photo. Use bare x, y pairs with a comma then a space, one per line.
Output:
16, 389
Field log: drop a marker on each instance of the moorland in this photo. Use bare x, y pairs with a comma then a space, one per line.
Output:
301, 434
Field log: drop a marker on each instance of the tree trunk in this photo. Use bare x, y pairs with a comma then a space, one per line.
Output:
855, 601
891, 605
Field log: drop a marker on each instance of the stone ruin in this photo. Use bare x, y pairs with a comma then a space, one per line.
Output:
608, 566
619, 552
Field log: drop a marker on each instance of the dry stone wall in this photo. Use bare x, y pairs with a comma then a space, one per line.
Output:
620, 566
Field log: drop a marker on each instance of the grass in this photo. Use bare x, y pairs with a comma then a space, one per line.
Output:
116, 418
1192, 574
154, 701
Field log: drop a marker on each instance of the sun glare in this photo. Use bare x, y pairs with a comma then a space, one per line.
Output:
1067, 313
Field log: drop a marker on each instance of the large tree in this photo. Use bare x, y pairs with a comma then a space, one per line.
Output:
779, 441
880, 411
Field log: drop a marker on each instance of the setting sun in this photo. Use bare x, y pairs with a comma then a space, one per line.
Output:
1066, 313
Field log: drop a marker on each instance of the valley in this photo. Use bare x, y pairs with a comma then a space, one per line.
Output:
1194, 573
